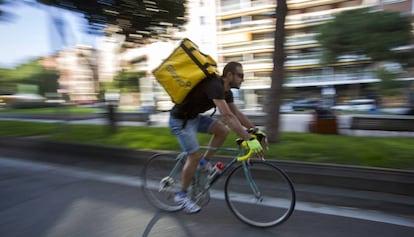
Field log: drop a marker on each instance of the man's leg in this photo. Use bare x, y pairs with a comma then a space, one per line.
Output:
219, 131
182, 197
189, 168
187, 137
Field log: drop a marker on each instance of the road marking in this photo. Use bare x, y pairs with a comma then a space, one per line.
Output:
369, 215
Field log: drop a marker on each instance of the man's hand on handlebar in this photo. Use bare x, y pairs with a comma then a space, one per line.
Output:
260, 136
255, 146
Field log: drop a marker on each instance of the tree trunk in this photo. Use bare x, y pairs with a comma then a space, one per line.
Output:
274, 95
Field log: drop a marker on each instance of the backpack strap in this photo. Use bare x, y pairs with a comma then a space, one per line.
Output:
189, 51
214, 111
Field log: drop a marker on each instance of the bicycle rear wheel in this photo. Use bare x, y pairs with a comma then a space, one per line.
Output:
161, 181
261, 195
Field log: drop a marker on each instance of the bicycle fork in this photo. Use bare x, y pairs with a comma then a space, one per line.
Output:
256, 192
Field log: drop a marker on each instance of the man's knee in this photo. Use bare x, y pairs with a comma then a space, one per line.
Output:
220, 129
195, 156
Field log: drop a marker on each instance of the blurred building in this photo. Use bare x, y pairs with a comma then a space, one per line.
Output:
234, 30
246, 33
78, 69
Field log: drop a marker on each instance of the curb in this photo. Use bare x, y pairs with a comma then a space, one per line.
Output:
353, 186
60, 116
119, 116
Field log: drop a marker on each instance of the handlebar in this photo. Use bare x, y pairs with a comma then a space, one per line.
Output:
244, 145
245, 157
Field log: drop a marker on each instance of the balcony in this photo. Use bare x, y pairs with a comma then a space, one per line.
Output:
313, 80
331, 79
257, 83
314, 17
248, 25
248, 46
246, 7
300, 19
295, 40
258, 64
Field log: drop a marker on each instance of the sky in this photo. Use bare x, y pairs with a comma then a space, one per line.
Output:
31, 34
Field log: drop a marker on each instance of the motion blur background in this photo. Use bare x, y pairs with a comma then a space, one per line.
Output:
53, 54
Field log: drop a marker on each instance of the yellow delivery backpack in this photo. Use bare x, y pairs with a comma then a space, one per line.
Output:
184, 69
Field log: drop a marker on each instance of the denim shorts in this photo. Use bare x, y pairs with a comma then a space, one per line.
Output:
187, 136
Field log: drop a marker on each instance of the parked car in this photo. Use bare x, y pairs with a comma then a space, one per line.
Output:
357, 105
305, 104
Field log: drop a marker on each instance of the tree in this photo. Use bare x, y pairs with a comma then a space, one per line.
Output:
274, 97
35, 74
7, 84
31, 73
365, 32
370, 33
388, 86
127, 81
138, 20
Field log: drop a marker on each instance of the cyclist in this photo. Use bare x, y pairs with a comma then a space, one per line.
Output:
186, 120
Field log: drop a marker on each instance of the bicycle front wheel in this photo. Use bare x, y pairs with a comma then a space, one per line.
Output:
260, 194
161, 180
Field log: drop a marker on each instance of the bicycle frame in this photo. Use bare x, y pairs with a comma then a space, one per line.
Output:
247, 174
262, 178
241, 157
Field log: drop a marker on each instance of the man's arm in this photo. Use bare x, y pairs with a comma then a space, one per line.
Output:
231, 119
242, 118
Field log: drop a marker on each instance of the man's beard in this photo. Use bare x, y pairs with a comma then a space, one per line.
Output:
234, 84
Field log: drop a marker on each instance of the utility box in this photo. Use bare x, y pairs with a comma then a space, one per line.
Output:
323, 121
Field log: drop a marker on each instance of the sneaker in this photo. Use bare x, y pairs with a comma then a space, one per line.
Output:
188, 205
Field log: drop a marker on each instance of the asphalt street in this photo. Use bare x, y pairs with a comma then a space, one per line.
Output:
43, 199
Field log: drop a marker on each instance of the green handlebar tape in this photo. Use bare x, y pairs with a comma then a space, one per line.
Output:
254, 145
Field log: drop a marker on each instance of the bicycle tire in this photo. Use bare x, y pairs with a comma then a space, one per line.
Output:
278, 195
157, 168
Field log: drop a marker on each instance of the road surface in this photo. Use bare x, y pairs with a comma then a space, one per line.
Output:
43, 199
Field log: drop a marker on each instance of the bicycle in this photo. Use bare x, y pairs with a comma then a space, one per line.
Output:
253, 186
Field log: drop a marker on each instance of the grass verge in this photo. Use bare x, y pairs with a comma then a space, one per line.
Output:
393, 152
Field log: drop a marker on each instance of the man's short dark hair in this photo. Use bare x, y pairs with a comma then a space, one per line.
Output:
231, 67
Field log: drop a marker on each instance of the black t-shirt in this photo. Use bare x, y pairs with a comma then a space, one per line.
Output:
200, 99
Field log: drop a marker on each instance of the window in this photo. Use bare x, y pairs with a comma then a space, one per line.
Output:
229, 2
262, 55
261, 36
236, 58
262, 74
232, 21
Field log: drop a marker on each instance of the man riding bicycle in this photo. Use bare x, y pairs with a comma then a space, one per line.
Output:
186, 120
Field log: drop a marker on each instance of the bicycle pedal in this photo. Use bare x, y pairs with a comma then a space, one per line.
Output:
165, 183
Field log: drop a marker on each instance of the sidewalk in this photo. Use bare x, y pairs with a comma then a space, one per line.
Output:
385, 190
